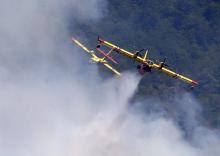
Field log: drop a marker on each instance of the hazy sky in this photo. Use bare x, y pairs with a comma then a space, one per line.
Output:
52, 103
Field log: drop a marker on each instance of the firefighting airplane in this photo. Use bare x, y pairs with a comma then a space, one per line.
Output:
146, 64
96, 59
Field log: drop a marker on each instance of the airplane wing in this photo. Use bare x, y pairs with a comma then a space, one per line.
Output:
175, 75
82, 46
112, 69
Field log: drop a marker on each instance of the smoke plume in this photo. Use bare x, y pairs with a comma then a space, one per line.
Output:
54, 104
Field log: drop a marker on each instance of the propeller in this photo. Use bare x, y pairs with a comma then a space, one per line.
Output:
163, 64
137, 53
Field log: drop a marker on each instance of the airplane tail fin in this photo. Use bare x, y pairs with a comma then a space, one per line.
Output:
100, 40
145, 55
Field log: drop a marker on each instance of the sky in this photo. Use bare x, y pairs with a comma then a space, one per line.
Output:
54, 103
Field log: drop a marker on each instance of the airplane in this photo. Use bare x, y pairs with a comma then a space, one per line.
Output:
146, 65
96, 59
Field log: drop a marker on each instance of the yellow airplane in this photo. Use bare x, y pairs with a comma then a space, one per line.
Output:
146, 64
96, 59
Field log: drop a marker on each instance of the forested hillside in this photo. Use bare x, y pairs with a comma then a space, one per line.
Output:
187, 33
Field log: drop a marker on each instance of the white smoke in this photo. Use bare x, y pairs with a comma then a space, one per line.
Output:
53, 104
